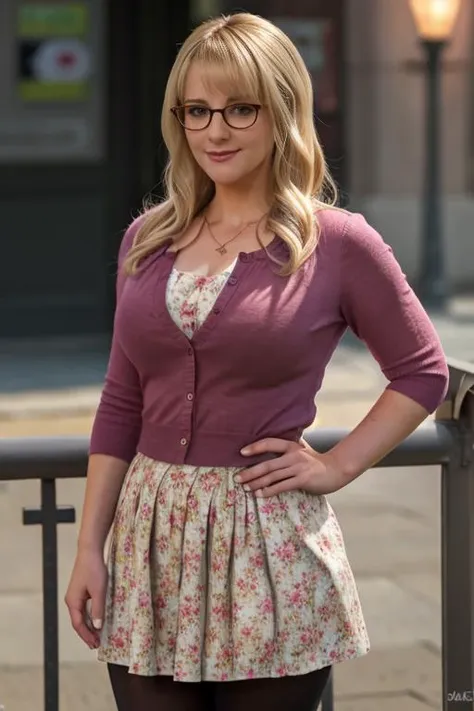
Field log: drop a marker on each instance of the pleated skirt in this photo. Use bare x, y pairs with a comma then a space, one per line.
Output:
208, 582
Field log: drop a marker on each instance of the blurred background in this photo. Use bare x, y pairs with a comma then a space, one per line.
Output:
81, 88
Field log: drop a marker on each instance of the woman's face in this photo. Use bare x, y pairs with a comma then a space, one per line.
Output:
228, 155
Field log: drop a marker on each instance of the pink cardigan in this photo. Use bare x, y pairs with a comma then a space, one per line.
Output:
255, 366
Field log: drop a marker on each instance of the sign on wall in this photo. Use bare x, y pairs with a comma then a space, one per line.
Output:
54, 56
53, 89
53, 19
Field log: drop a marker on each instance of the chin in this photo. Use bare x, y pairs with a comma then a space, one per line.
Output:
227, 180
222, 177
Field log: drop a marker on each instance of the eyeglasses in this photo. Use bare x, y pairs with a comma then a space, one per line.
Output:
194, 117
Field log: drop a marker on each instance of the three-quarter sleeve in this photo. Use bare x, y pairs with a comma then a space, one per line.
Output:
383, 311
118, 420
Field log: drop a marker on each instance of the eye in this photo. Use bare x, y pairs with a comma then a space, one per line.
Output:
196, 111
241, 109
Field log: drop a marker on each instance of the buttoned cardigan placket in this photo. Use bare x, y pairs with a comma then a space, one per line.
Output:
190, 346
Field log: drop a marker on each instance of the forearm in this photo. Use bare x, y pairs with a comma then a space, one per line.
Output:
105, 477
393, 417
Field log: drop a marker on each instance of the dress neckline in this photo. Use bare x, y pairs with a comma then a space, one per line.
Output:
209, 277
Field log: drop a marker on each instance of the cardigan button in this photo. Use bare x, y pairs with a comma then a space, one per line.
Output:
183, 442
232, 281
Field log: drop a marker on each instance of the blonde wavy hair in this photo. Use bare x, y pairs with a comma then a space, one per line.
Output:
257, 59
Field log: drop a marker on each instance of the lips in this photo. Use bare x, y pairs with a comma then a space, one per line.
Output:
220, 156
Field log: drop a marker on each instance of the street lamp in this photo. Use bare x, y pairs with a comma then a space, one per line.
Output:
434, 20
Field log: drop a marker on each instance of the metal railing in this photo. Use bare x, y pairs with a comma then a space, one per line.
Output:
448, 441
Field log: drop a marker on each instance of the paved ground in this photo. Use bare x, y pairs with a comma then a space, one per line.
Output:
390, 520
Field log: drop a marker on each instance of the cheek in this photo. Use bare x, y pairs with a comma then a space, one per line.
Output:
194, 144
262, 140
261, 147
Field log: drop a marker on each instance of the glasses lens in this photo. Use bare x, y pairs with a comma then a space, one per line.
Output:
241, 115
194, 117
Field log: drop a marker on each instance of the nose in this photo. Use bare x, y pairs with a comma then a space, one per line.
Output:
218, 130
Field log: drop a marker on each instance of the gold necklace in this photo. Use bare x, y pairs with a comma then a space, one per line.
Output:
222, 247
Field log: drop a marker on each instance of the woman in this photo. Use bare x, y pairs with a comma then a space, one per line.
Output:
228, 585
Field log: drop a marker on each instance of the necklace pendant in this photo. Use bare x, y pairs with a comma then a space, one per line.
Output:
222, 250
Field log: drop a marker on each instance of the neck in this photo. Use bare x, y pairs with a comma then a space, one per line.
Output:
236, 205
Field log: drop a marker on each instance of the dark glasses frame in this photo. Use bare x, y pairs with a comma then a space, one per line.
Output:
176, 109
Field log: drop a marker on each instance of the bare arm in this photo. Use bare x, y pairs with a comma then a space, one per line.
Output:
105, 476
393, 417
89, 575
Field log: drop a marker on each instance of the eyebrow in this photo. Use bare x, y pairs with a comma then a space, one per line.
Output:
230, 100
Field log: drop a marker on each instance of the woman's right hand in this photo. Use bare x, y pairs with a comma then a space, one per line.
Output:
88, 582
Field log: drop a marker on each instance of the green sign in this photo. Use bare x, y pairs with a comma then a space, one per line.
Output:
53, 91
52, 19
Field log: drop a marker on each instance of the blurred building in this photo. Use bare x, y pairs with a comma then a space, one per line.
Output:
81, 86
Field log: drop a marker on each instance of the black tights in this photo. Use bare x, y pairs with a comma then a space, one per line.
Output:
161, 693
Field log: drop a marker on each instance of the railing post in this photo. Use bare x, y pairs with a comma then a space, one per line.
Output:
457, 519
48, 516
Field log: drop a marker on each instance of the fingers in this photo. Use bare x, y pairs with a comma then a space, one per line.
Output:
265, 468
97, 609
270, 444
78, 615
279, 487
261, 484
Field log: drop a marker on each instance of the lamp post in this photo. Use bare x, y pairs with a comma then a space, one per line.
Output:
434, 20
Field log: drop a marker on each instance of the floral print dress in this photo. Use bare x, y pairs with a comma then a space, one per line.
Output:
207, 582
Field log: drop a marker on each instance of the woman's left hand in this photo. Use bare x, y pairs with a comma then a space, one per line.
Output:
298, 467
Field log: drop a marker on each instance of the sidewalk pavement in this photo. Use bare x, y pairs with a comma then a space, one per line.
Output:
390, 520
